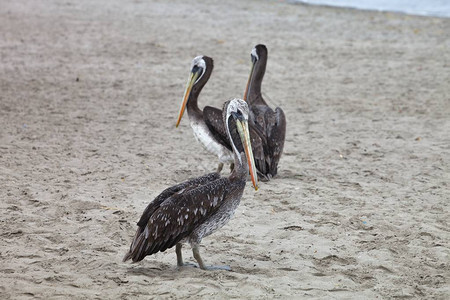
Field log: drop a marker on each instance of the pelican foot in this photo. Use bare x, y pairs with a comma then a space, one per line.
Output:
219, 168
191, 265
202, 265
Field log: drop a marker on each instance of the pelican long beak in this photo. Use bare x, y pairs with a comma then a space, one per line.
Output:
192, 79
249, 80
242, 127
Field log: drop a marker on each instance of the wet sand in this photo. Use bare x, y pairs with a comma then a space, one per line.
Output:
90, 92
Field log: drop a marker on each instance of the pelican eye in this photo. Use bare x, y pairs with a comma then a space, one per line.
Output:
197, 69
238, 115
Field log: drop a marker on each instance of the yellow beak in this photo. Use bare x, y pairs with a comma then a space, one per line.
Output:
192, 79
242, 127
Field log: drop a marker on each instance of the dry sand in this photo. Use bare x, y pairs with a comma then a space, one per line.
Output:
90, 92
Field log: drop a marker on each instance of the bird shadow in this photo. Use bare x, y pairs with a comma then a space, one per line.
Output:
163, 271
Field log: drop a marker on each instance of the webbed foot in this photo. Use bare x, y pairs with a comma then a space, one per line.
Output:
191, 265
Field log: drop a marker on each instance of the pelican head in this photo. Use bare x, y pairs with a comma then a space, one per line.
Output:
236, 120
198, 69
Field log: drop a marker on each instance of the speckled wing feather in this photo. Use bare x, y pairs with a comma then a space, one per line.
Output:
213, 118
178, 216
192, 183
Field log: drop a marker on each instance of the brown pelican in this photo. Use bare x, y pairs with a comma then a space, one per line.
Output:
207, 124
192, 210
271, 125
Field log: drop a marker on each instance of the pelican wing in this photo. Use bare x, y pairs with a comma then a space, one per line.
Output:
271, 127
276, 136
189, 184
213, 118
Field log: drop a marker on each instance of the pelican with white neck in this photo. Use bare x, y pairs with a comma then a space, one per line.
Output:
207, 124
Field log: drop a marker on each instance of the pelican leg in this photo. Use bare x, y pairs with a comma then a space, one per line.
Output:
220, 167
201, 264
197, 256
232, 167
180, 262
179, 254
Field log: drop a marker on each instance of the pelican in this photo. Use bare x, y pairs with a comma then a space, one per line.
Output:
192, 210
207, 124
270, 124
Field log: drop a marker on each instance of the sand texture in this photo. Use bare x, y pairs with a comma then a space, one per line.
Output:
89, 95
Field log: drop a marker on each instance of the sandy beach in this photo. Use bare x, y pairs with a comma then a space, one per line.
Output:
90, 92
